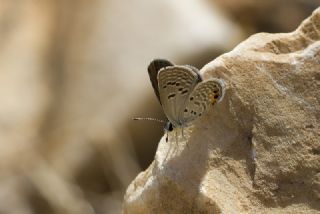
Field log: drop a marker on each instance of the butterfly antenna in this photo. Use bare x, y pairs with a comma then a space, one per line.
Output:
150, 119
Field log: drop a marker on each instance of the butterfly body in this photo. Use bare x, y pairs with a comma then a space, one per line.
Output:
183, 94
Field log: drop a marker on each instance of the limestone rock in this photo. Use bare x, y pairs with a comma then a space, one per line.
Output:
256, 151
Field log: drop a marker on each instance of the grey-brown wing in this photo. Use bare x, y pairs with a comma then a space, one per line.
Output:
175, 83
153, 70
204, 95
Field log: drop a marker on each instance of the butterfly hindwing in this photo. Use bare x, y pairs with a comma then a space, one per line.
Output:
175, 84
153, 70
204, 95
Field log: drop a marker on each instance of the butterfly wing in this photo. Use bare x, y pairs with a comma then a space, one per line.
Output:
175, 84
153, 70
204, 95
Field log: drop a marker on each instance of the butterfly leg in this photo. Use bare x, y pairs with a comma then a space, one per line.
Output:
167, 136
184, 137
182, 133
168, 128
176, 136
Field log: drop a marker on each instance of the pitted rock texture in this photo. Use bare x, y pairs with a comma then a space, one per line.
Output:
258, 151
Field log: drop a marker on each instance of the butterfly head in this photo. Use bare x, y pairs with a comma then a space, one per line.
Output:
168, 126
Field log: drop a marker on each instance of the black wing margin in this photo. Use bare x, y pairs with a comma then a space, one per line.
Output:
153, 70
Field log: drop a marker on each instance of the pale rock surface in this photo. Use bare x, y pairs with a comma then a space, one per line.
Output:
258, 150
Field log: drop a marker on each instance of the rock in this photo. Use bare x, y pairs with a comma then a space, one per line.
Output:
257, 150
25, 92
256, 17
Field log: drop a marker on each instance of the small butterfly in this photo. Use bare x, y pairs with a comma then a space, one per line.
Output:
182, 93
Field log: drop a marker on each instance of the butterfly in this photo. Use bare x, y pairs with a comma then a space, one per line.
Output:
182, 93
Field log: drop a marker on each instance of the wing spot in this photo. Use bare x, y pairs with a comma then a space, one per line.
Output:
185, 91
212, 99
186, 110
177, 84
165, 86
216, 96
215, 91
171, 83
171, 96
180, 89
191, 98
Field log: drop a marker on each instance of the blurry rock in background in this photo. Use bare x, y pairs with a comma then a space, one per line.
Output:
257, 151
73, 74
273, 16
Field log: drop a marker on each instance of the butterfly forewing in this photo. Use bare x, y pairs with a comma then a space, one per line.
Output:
153, 70
204, 95
175, 85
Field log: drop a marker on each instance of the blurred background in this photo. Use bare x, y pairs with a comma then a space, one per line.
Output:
74, 73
